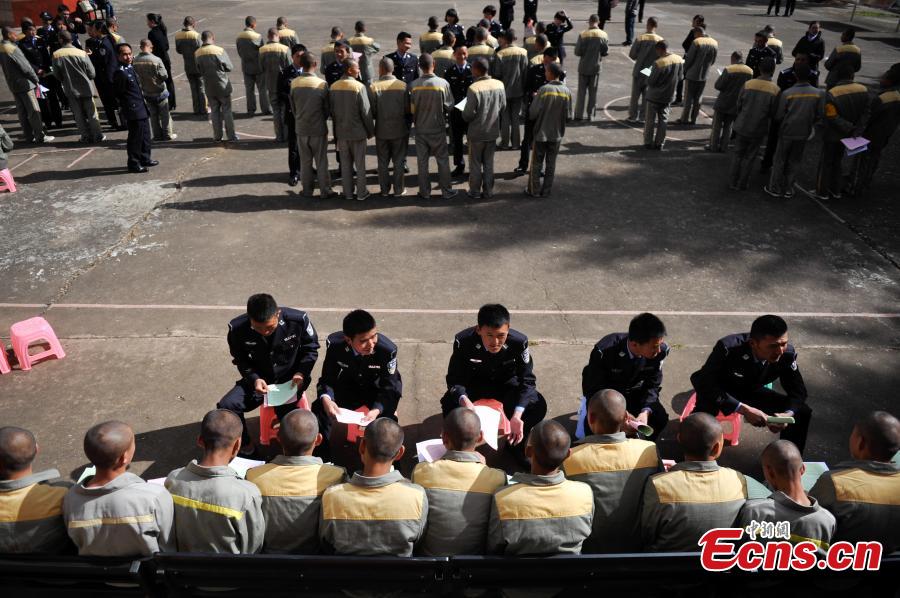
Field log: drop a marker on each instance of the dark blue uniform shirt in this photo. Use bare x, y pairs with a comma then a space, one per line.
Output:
128, 91
406, 68
351, 379
612, 365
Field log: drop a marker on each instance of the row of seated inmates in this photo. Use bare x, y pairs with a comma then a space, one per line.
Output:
608, 494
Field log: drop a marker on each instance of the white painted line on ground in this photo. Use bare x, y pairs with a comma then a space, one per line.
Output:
81, 157
414, 311
641, 129
29, 159
272, 137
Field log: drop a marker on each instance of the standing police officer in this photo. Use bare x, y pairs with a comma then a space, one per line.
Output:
269, 345
406, 64
288, 74
631, 363
134, 110
460, 77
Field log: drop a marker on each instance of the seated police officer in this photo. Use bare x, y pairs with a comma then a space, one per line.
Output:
736, 373
269, 345
360, 369
492, 361
631, 363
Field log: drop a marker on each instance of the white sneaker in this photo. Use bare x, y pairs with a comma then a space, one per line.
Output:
48, 139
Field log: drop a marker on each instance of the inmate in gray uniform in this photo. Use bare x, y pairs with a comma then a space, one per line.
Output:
126, 517
22, 81
367, 48
591, 47
664, 76
699, 58
430, 103
757, 104
248, 44
31, 515
390, 107
485, 100
808, 524
152, 76
75, 72
215, 510
187, 42
643, 53
550, 110
309, 104
273, 57
729, 84
353, 125
214, 65
800, 109
510, 66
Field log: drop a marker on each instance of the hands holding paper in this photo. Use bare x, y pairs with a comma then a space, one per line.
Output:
516, 429
778, 427
261, 387
331, 408
297, 380
754, 416
371, 416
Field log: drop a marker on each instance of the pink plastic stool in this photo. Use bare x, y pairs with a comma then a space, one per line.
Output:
354, 431
735, 420
7, 182
267, 417
496, 406
4, 362
29, 331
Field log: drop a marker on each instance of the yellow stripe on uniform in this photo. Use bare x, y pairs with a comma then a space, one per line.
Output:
189, 503
819, 543
859, 485
558, 94
699, 487
81, 523
394, 502
467, 476
522, 501
619, 456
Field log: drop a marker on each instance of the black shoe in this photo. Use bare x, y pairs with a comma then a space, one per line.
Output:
139, 169
520, 171
459, 170
294, 180
151, 163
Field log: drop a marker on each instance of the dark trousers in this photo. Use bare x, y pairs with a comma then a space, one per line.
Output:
679, 91
293, 148
527, 140
789, 7
777, 5
533, 414
110, 106
629, 26
240, 400
138, 142
51, 111
170, 84
641, 11
458, 128
347, 400
658, 417
770, 402
771, 144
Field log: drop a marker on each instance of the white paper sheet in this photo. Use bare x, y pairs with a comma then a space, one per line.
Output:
281, 394
346, 416
580, 432
429, 451
490, 424
814, 470
462, 105
646, 72
89, 471
157, 481
241, 465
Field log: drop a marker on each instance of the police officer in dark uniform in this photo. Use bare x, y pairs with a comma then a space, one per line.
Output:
406, 64
507, 13
360, 369
736, 373
631, 363
288, 74
535, 78
269, 345
134, 109
103, 57
460, 77
530, 8
335, 70
492, 361
35, 50
453, 26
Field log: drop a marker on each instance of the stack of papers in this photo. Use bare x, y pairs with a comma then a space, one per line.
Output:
347, 416
773, 419
281, 394
429, 451
814, 469
241, 465
855, 145
490, 424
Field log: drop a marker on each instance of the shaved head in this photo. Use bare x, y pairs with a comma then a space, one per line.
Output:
881, 432
784, 458
550, 442
606, 411
17, 449
219, 429
298, 432
104, 444
699, 434
383, 437
462, 429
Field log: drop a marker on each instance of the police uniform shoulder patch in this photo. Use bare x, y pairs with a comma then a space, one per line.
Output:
794, 365
309, 329
392, 366
526, 355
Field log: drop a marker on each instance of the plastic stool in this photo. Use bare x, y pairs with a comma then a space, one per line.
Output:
354, 431
28, 331
267, 417
7, 182
497, 406
735, 420
4, 361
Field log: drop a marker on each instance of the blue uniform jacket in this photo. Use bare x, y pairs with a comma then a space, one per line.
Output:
611, 365
372, 380
128, 90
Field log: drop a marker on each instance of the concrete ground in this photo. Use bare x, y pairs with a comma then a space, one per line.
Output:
139, 274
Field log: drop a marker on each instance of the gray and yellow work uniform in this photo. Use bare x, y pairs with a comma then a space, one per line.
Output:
757, 104
430, 103
292, 489
215, 510
353, 125
288, 37
460, 491
443, 60
367, 48
482, 51
550, 110
808, 523
800, 109
864, 497
540, 515
485, 100
390, 106
617, 469
692, 498
430, 41
214, 65
75, 72
643, 53
697, 62
846, 112
327, 55
729, 85
31, 515
22, 81
125, 517
373, 516
248, 44
592, 45
884, 117
528, 44
665, 74
777, 47
843, 62
310, 106
187, 42
273, 57
152, 76
510, 65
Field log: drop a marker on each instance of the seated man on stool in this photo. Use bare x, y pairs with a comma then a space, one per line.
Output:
360, 369
492, 361
631, 363
269, 345
736, 373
